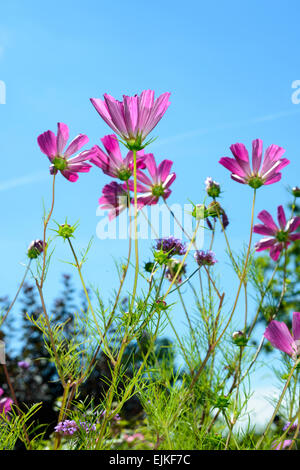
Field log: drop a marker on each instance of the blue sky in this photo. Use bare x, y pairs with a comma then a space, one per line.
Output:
228, 65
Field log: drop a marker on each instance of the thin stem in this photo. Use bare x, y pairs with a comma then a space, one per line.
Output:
182, 261
136, 243
12, 392
244, 270
57, 361
62, 413
78, 266
16, 296
278, 404
44, 235
188, 319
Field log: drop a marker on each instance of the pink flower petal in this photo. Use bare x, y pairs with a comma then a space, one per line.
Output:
232, 166
62, 137
47, 143
131, 114
293, 224
267, 219
273, 178
103, 110
116, 111
296, 325
70, 175
275, 251
281, 217
265, 244
76, 145
242, 158
152, 168
280, 337
262, 229
163, 169
112, 147
257, 148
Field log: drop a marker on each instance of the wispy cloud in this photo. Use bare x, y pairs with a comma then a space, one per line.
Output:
23, 180
228, 125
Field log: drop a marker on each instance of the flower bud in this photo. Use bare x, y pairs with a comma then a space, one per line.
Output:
149, 267
199, 212
212, 187
66, 231
214, 209
35, 249
161, 304
239, 338
296, 191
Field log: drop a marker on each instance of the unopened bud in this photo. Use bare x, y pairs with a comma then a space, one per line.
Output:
212, 187
66, 231
296, 191
35, 249
239, 338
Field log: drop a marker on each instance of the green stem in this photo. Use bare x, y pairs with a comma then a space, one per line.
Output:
278, 404
136, 244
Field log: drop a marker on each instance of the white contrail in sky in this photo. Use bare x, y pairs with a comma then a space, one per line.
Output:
224, 126
23, 180
40, 176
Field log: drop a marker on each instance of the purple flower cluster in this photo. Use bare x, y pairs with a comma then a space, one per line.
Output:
171, 246
23, 365
292, 428
67, 427
70, 427
205, 258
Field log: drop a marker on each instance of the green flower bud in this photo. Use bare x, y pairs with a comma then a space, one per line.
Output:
296, 191
148, 267
35, 249
239, 338
66, 231
222, 402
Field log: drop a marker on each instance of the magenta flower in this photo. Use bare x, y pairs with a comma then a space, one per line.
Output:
267, 173
158, 185
5, 403
134, 117
280, 337
112, 163
279, 445
114, 199
53, 146
278, 238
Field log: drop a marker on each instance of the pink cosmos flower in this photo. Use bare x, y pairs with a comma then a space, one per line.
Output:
158, 185
114, 199
134, 117
53, 146
112, 163
278, 238
267, 173
280, 337
5, 403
